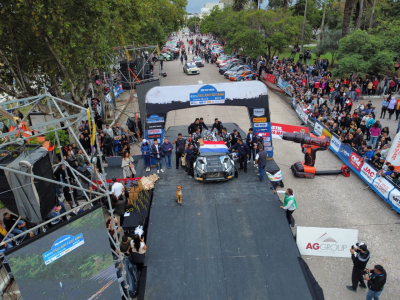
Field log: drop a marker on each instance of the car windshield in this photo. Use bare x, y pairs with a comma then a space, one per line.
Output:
196, 58
191, 66
235, 68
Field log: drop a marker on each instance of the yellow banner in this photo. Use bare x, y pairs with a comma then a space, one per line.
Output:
88, 116
158, 50
93, 137
259, 120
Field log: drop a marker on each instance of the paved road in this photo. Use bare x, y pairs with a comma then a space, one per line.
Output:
326, 201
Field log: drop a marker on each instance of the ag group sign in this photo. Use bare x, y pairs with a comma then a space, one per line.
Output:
320, 241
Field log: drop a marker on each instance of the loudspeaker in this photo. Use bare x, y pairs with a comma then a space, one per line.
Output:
36, 197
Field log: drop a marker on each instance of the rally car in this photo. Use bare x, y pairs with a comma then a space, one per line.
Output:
227, 74
191, 68
229, 66
227, 62
198, 61
243, 75
214, 162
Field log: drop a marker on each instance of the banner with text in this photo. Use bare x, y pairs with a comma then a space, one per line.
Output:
320, 241
278, 129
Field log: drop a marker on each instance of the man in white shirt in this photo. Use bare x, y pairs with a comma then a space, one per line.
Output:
117, 188
109, 131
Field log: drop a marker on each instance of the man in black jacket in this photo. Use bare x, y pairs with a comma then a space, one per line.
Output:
243, 151
180, 149
189, 153
202, 125
376, 280
218, 125
235, 136
251, 142
192, 127
360, 259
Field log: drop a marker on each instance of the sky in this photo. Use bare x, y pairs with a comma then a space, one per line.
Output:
194, 6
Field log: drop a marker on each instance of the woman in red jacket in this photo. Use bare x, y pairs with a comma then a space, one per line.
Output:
375, 84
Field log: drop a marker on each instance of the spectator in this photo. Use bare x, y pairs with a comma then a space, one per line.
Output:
9, 221
289, 204
167, 150
243, 151
125, 245
138, 245
125, 143
180, 148
128, 170
189, 154
389, 171
145, 149
375, 132
360, 257
156, 154
369, 154
109, 131
117, 188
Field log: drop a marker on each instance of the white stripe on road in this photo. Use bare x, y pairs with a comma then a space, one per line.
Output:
200, 82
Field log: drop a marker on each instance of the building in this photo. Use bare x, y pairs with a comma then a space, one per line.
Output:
226, 2
209, 6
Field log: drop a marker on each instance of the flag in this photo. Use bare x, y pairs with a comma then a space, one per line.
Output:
158, 50
88, 116
212, 146
93, 137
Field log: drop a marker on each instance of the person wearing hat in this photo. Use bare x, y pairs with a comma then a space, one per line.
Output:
360, 257
145, 149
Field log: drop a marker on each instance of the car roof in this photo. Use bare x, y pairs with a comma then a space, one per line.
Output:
191, 64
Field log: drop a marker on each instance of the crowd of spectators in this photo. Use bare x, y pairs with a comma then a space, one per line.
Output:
356, 122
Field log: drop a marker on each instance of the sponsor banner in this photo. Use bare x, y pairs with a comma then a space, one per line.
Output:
318, 241
278, 129
269, 77
261, 125
318, 128
267, 144
154, 131
383, 186
259, 120
154, 126
155, 119
394, 198
263, 134
207, 95
311, 123
368, 173
258, 112
335, 143
287, 88
345, 152
325, 132
394, 153
117, 90
356, 161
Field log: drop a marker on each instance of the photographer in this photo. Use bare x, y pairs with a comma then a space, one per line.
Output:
360, 259
376, 280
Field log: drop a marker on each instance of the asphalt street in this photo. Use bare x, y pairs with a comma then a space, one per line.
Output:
326, 201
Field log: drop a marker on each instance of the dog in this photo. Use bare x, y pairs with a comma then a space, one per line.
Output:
178, 195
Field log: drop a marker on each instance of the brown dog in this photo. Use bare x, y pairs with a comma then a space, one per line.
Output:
178, 194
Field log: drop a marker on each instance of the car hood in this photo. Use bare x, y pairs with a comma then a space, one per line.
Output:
217, 163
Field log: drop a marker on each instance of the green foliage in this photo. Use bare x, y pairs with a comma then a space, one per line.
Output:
51, 136
314, 15
255, 32
329, 43
363, 53
192, 22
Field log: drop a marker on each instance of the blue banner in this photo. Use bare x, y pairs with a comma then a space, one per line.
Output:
207, 95
62, 246
264, 129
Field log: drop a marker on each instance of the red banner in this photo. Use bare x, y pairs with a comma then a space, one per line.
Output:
269, 77
278, 129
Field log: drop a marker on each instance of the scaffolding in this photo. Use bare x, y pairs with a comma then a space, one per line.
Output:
64, 122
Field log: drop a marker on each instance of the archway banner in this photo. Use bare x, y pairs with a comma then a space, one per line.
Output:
251, 94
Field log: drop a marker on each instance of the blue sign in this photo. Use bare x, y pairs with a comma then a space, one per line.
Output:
62, 246
345, 152
155, 119
265, 130
207, 95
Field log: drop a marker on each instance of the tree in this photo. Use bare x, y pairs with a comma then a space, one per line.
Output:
60, 43
239, 5
276, 4
313, 16
192, 22
348, 9
329, 43
359, 15
363, 53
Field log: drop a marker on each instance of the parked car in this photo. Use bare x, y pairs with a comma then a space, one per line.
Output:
164, 56
198, 61
229, 66
191, 68
227, 74
228, 61
243, 75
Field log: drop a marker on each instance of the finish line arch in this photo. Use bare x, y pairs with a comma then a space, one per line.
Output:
251, 94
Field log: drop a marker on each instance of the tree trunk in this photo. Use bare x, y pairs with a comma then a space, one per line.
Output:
348, 6
371, 21
360, 12
323, 20
304, 25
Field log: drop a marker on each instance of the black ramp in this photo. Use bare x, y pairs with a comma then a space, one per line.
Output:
229, 240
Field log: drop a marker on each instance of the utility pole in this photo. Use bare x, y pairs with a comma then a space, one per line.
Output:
304, 25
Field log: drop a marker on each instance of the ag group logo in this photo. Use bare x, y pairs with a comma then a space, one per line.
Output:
356, 161
326, 243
